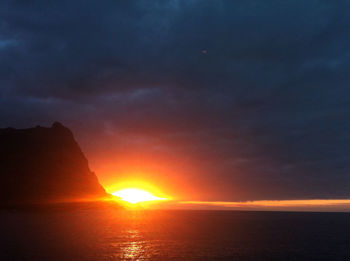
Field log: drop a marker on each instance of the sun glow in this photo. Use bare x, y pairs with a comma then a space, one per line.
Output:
135, 195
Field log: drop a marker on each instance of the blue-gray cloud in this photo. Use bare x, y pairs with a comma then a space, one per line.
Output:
265, 107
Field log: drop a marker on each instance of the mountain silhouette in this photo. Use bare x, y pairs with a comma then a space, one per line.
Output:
44, 165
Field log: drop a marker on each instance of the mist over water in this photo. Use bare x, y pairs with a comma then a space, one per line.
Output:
110, 234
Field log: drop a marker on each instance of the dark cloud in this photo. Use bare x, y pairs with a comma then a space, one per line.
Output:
264, 111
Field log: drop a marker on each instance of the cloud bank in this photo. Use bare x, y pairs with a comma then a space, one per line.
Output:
242, 100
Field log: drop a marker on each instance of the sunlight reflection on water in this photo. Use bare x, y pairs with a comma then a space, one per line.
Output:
133, 247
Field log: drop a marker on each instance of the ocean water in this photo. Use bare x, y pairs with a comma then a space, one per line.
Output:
110, 234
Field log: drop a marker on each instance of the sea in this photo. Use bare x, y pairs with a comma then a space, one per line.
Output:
114, 234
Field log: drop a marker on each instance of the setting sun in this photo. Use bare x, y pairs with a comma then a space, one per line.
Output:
134, 195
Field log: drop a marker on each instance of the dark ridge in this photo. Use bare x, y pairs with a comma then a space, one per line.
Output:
43, 165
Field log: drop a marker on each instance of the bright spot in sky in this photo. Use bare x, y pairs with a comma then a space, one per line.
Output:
134, 195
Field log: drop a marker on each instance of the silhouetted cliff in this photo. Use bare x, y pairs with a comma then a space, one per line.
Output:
42, 165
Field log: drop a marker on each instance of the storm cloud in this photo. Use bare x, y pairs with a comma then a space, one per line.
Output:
251, 97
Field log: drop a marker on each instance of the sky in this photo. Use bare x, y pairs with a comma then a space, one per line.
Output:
204, 100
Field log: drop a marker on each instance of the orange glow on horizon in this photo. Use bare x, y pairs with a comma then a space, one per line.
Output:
308, 204
274, 203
